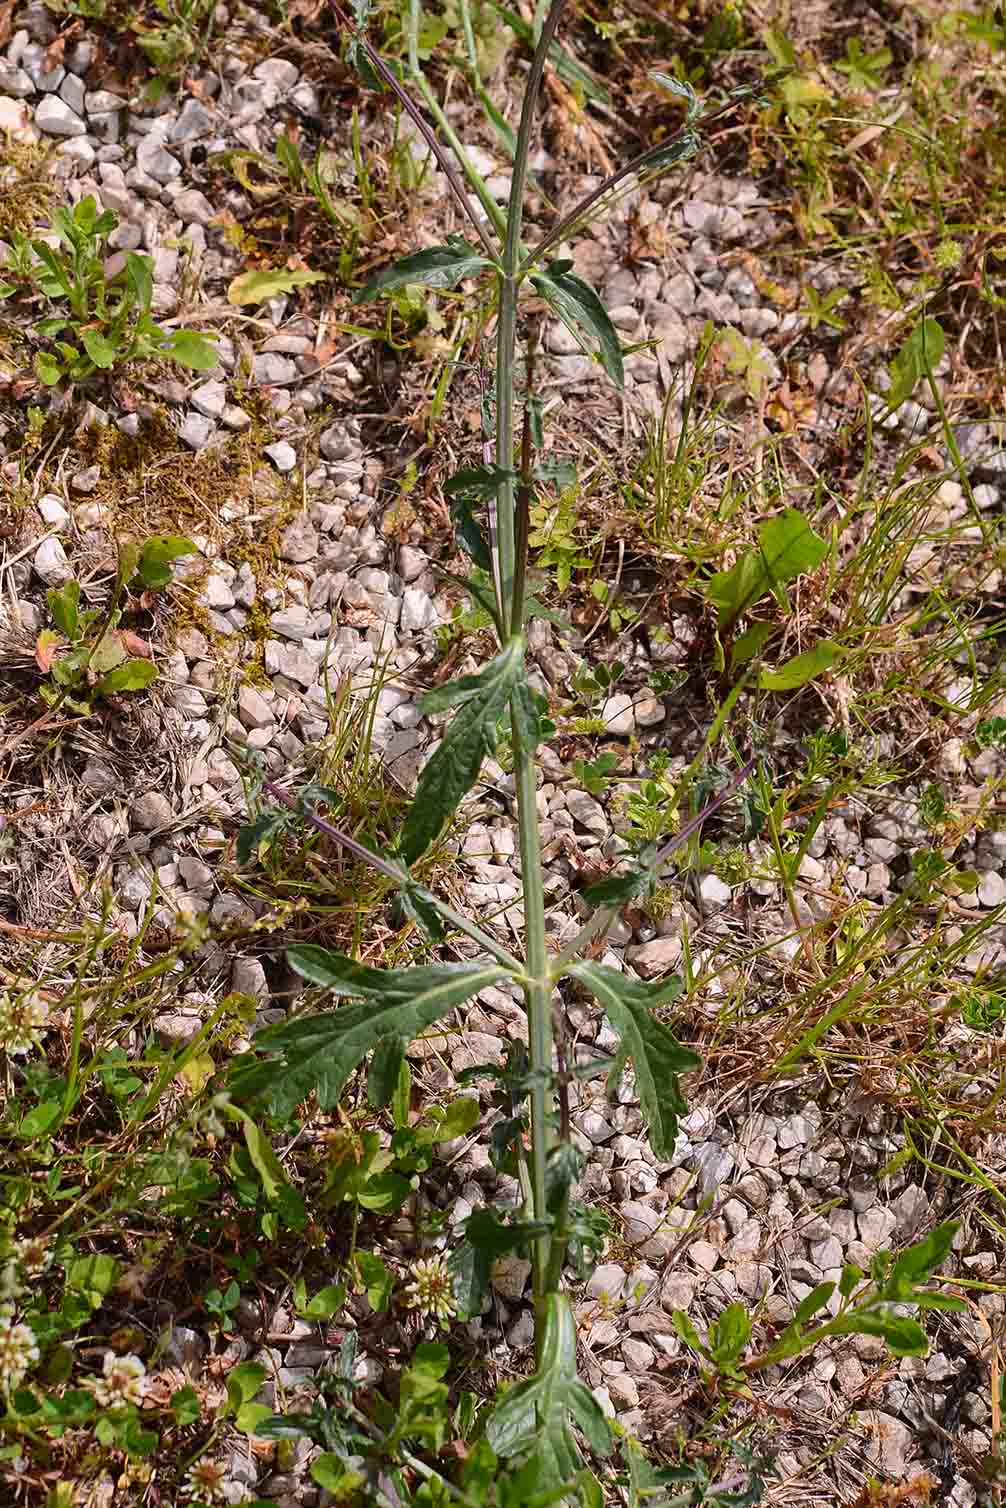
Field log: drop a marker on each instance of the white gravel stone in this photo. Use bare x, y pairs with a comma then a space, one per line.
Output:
618, 715
253, 709
195, 430
418, 611
53, 510
55, 118
606, 1281
888, 1443
992, 888
282, 455
193, 207
151, 810
653, 959
588, 812
51, 564
210, 399
293, 623
649, 711
715, 892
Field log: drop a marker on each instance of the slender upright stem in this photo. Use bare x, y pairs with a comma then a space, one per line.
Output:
538, 990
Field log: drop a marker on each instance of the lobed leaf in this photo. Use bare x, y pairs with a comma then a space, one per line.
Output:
318, 1053
436, 267
657, 1055
533, 1418
454, 767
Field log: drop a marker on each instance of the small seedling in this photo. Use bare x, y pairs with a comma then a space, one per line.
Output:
99, 322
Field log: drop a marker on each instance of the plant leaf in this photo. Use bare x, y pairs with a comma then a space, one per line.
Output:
454, 767
657, 1055
436, 267
320, 1052
154, 564
483, 482
98, 347
802, 668
190, 349
580, 309
377, 1278
533, 1418
788, 547
919, 355
266, 282
135, 675
385, 1066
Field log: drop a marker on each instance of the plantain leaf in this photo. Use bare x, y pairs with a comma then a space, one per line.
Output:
436, 267
801, 668
454, 768
919, 355
260, 283
788, 547
657, 1055
533, 1419
580, 309
318, 1053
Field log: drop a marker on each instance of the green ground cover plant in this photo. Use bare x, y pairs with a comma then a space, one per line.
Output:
529, 1433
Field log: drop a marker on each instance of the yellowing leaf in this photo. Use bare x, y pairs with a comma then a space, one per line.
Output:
266, 282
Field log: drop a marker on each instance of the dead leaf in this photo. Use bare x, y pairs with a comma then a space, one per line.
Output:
134, 645
6, 12
46, 646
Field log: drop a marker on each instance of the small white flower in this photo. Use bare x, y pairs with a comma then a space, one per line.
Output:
23, 1019
208, 1481
34, 1255
123, 1381
18, 1349
431, 1290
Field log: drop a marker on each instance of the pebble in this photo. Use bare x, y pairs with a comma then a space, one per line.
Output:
51, 563
151, 811
196, 430
618, 714
54, 116
299, 541
282, 455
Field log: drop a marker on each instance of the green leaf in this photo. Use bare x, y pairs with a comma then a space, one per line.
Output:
580, 310
620, 889
729, 1334
154, 564
100, 350
468, 532
454, 767
688, 1333
384, 1193
788, 547
185, 1405
64, 608
140, 275
264, 1160
40, 1119
190, 349
436, 267
243, 1382
903, 1336
385, 1065
419, 905
920, 353
330, 1471
750, 643
266, 282
679, 87
657, 1055
320, 1052
533, 1418
802, 667
486, 1237
92, 1275
47, 369
478, 481
921, 1260
457, 1120
562, 1169
250, 1415
566, 66
814, 1301
326, 1303
556, 471
377, 1278
135, 675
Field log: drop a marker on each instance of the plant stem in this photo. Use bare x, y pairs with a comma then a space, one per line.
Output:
538, 990
494, 214
397, 877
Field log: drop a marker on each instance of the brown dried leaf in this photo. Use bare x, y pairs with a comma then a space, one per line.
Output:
46, 646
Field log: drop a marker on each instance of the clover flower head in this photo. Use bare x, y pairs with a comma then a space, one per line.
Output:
18, 1349
123, 1380
207, 1481
23, 1019
431, 1290
34, 1255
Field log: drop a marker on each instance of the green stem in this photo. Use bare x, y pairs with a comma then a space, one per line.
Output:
538, 990
494, 214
